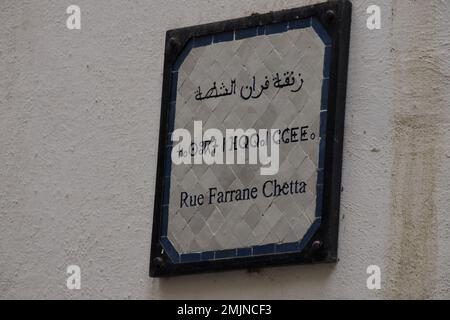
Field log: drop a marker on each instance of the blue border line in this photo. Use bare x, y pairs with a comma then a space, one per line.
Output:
244, 252
223, 37
182, 56
225, 254
259, 250
246, 33
170, 250
287, 247
320, 30
277, 28
208, 255
190, 257
264, 249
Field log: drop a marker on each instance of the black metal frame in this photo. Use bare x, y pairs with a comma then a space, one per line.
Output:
335, 16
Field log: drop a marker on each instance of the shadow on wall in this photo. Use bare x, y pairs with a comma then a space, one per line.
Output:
258, 284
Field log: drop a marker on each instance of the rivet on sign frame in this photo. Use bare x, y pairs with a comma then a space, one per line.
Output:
330, 16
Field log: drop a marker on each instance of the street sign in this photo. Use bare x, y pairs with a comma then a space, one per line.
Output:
251, 142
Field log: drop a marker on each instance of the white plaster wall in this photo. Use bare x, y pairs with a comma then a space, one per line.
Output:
79, 118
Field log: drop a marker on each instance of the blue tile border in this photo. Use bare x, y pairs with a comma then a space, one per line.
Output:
260, 250
182, 56
225, 254
171, 127
165, 220
173, 88
261, 30
319, 200
320, 30
323, 124
325, 90
223, 37
320, 176
322, 148
167, 169
264, 249
327, 66
166, 192
190, 257
246, 33
287, 247
299, 24
311, 231
170, 250
202, 41
277, 28
244, 252
208, 255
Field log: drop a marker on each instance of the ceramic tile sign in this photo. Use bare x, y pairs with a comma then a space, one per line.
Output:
250, 148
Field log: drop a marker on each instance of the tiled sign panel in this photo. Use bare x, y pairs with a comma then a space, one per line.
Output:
271, 77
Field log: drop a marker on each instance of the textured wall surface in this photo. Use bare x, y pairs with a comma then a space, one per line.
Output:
79, 118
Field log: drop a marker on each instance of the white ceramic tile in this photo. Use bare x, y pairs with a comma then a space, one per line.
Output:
264, 220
